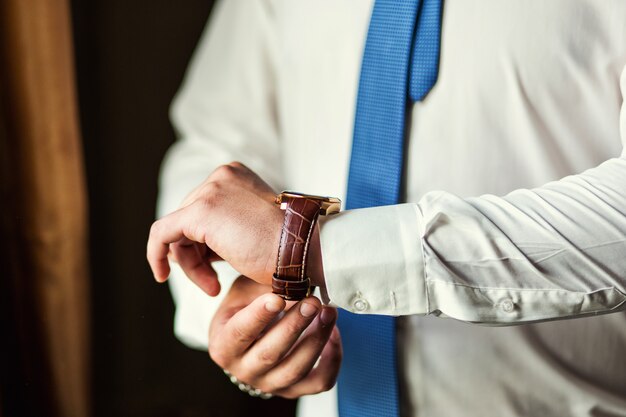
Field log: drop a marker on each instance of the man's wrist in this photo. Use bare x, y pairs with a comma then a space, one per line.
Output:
315, 264
299, 263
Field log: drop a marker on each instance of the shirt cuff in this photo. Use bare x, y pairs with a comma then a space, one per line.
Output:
373, 260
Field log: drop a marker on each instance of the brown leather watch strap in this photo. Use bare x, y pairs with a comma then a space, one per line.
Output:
290, 280
291, 290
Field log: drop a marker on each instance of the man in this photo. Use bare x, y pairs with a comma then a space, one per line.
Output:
526, 105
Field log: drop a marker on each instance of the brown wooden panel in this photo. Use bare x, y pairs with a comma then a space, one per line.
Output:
47, 211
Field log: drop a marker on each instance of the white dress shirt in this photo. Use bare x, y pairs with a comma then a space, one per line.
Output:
515, 190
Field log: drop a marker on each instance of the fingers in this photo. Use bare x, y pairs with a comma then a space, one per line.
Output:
298, 364
227, 344
170, 229
158, 249
279, 339
195, 260
277, 354
324, 375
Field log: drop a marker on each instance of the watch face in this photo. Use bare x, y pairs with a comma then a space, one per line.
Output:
330, 205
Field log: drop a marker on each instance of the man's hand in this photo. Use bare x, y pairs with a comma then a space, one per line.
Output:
231, 216
272, 353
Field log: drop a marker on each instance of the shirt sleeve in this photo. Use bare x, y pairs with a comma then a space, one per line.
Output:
224, 111
554, 252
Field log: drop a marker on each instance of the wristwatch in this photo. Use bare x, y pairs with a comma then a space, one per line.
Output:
291, 280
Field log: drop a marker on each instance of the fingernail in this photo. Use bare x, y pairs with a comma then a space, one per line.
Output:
307, 310
327, 316
273, 306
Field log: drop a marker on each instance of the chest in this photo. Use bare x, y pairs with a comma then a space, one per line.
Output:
511, 72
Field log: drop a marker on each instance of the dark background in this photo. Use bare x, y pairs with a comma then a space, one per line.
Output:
130, 58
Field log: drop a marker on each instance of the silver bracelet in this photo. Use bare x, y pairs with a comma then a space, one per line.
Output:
249, 389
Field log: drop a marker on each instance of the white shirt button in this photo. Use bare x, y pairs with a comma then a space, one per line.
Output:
360, 304
507, 306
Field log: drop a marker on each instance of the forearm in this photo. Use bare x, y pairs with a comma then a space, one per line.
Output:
548, 253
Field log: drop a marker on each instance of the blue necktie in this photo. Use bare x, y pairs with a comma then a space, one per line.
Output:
401, 60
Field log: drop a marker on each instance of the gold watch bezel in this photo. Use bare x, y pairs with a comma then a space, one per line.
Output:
330, 205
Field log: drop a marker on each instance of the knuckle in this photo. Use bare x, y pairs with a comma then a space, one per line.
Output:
194, 231
318, 338
268, 356
217, 355
292, 375
204, 204
247, 377
210, 190
240, 336
293, 326
267, 385
155, 229
225, 172
237, 165
261, 316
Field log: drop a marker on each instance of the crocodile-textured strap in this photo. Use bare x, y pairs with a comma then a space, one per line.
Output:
290, 280
291, 290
